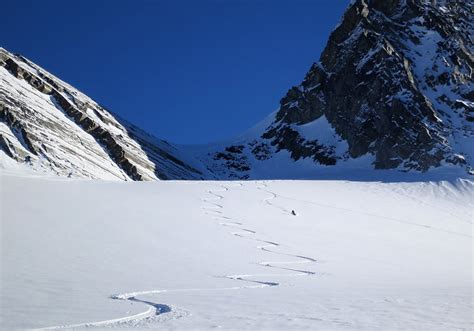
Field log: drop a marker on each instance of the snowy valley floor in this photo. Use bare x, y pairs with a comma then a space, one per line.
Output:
358, 255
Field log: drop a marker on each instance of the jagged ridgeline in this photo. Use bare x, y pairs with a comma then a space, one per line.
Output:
393, 89
394, 81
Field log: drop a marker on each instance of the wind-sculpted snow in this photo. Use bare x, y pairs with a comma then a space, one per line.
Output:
357, 255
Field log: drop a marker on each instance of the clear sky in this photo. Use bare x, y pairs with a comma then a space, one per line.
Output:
186, 71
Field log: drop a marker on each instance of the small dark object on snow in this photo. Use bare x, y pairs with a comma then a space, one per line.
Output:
293, 213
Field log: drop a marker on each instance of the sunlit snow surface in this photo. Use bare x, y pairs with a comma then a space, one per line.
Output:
358, 255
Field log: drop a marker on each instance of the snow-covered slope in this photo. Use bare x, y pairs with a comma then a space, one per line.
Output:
50, 125
358, 255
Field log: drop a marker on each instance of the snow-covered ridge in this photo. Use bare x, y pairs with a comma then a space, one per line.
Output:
49, 124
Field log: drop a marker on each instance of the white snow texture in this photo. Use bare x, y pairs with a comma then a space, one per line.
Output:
202, 255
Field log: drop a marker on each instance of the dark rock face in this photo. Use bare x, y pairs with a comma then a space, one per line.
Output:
286, 138
378, 84
233, 159
260, 150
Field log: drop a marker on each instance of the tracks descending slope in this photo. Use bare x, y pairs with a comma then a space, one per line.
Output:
273, 196
216, 210
161, 312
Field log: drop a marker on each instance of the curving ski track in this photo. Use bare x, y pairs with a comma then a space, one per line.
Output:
216, 210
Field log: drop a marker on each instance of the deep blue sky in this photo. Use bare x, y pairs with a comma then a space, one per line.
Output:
186, 71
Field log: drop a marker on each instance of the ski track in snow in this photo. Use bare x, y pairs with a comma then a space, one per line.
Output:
156, 310
268, 246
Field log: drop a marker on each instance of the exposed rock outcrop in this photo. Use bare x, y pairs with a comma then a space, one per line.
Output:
394, 81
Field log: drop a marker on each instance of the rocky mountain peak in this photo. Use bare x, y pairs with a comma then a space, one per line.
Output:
395, 82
